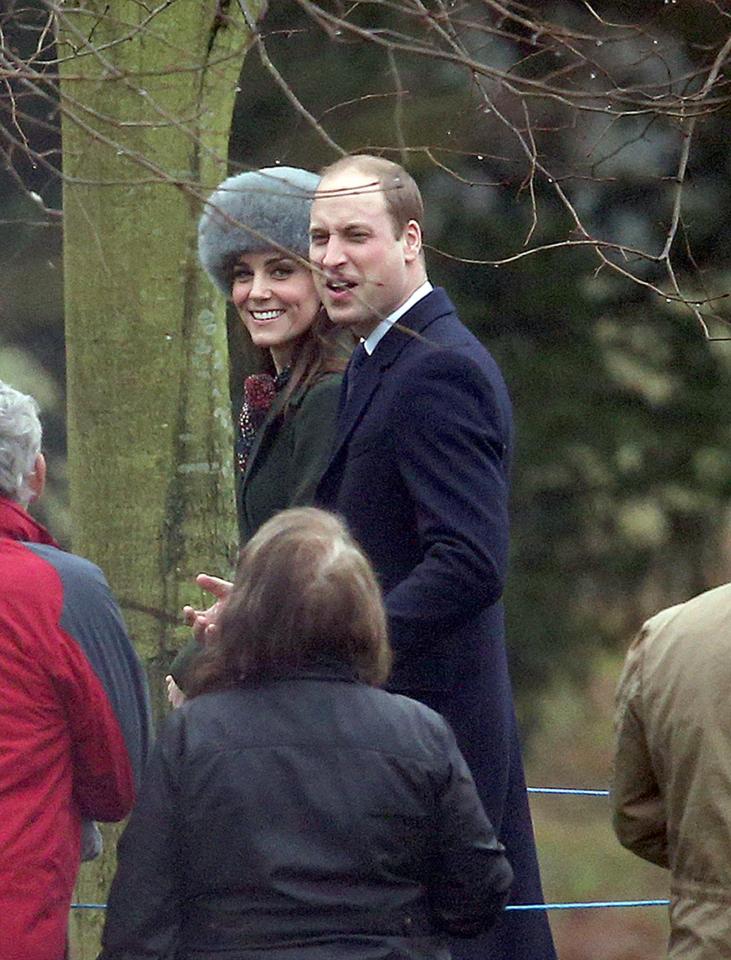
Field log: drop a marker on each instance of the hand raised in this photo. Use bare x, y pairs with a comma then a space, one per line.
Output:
203, 622
176, 697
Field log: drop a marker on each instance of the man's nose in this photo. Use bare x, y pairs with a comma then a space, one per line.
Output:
334, 253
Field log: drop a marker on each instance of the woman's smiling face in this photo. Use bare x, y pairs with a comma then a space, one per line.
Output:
275, 297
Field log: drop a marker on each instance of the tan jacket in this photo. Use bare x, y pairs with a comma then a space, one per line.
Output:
671, 796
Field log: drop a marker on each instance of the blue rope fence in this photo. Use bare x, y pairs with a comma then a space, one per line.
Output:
569, 791
586, 905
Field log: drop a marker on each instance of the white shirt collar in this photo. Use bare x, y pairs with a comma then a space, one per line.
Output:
374, 338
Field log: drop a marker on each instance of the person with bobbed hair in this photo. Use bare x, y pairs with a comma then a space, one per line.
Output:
304, 594
291, 807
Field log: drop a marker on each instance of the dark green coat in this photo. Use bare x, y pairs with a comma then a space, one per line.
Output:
286, 461
288, 456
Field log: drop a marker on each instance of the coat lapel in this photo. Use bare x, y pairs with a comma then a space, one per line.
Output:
266, 428
416, 321
352, 408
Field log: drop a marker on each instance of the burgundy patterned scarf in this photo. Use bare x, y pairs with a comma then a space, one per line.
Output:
260, 389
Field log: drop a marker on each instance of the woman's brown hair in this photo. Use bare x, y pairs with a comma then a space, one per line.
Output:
320, 350
304, 595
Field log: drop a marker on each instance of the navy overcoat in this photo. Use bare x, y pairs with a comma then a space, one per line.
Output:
420, 473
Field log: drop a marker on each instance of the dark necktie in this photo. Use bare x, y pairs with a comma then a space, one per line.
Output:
357, 359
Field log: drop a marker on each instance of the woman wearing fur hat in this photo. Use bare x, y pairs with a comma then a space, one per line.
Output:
253, 240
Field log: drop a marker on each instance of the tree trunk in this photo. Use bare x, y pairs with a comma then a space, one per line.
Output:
146, 101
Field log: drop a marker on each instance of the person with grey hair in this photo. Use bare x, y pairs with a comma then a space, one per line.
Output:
253, 240
74, 709
22, 465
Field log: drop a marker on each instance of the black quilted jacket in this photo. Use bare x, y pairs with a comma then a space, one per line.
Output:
308, 817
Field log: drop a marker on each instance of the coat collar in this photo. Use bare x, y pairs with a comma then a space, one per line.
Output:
325, 670
270, 422
17, 524
417, 320
270, 419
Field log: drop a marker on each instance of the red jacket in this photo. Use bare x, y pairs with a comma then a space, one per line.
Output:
63, 754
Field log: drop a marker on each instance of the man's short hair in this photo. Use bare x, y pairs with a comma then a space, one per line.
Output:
400, 192
20, 442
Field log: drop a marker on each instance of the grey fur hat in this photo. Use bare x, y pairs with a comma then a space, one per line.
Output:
273, 203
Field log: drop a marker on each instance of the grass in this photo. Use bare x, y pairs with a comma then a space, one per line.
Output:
580, 858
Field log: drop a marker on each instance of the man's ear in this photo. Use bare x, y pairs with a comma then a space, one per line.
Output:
37, 479
412, 241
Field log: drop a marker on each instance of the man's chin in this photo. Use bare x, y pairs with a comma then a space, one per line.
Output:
344, 318
353, 320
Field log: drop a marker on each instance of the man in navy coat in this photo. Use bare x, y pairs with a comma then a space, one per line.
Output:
420, 472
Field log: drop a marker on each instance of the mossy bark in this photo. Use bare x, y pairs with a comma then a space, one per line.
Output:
146, 106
